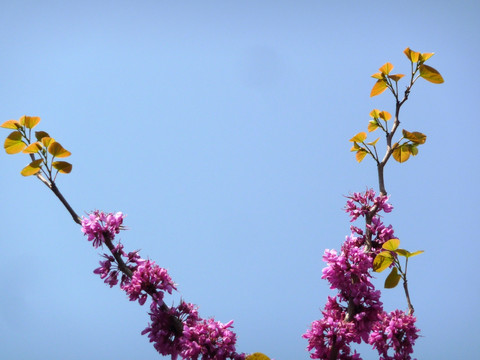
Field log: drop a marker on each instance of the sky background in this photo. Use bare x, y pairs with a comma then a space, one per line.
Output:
221, 129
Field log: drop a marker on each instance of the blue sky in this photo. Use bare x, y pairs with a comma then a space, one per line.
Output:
221, 129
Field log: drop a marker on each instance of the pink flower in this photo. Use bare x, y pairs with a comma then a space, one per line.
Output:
105, 271
148, 279
161, 332
395, 331
209, 339
98, 226
356, 313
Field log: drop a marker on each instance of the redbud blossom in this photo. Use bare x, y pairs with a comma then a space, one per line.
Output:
356, 313
98, 225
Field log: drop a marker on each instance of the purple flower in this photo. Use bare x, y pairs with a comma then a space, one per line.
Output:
105, 271
99, 226
395, 331
209, 339
356, 313
161, 331
148, 279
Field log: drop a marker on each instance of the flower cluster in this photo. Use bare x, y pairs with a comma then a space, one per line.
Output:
359, 204
175, 331
356, 313
396, 331
332, 334
98, 226
209, 339
148, 279
199, 338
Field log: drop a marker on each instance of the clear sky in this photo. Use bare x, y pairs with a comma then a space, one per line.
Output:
221, 129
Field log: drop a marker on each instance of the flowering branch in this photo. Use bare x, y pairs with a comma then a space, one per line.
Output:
356, 314
175, 331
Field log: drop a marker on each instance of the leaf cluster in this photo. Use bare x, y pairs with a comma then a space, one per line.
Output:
43, 149
408, 144
385, 80
389, 258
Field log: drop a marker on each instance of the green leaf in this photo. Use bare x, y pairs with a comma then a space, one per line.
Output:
11, 124
379, 87
57, 150
382, 261
360, 137
40, 135
14, 143
63, 167
413, 149
430, 74
416, 137
360, 155
391, 244
32, 168
33, 148
392, 279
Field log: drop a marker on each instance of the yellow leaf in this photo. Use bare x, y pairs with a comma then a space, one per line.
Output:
416, 137
391, 244
386, 68
430, 74
402, 252
33, 148
257, 356
396, 77
46, 140
31, 121
401, 153
415, 253
379, 87
385, 115
378, 76
57, 150
372, 125
13, 143
411, 55
40, 135
373, 142
11, 124
360, 137
32, 168
375, 113
62, 166
425, 56
392, 279
382, 261
355, 147
360, 155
